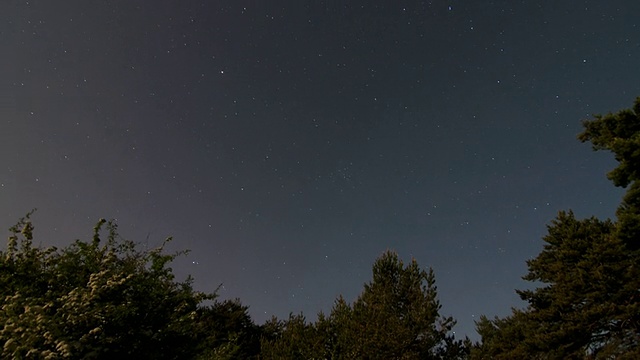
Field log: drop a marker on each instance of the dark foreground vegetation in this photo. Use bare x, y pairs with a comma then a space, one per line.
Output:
106, 299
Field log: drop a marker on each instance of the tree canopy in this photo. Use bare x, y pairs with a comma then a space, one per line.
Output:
619, 133
104, 298
96, 299
587, 303
397, 316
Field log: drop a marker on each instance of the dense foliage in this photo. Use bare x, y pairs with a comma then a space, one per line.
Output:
396, 317
104, 299
588, 304
95, 299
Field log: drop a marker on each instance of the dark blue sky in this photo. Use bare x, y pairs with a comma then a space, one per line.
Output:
288, 145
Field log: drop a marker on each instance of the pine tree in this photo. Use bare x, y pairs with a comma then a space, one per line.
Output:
397, 316
587, 303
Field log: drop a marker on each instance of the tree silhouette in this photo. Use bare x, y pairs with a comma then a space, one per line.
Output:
587, 304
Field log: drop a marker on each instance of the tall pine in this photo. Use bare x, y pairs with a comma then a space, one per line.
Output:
587, 303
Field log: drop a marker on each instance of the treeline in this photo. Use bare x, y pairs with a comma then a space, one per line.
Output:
104, 298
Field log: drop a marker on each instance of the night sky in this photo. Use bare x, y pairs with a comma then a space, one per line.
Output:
289, 145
